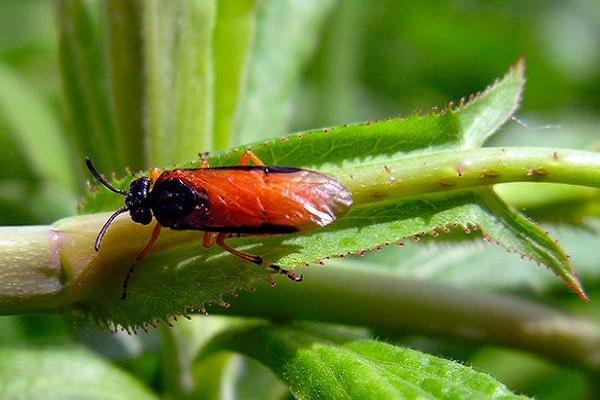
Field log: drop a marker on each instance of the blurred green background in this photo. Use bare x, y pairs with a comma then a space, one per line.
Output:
375, 58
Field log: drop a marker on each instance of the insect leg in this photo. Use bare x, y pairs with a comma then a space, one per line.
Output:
150, 244
203, 160
248, 156
209, 239
154, 174
138, 258
256, 259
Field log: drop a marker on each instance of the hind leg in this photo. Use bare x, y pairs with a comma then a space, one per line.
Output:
220, 241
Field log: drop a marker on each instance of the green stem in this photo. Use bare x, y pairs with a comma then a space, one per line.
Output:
343, 293
83, 70
232, 43
179, 82
125, 51
456, 170
30, 269
50, 267
67, 256
33, 280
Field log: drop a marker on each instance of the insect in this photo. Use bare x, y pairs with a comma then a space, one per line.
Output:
224, 201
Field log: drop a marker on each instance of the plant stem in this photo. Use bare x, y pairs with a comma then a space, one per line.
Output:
455, 170
30, 269
30, 256
232, 43
125, 52
179, 85
83, 69
343, 293
34, 280
50, 267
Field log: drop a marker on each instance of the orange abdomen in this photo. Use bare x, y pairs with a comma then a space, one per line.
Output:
260, 200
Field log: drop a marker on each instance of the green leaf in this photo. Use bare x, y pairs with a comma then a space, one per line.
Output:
404, 175
487, 113
179, 78
394, 306
286, 32
232, 43
85, 80
318, 365
64, 373
470, 265
187, 277
529, 240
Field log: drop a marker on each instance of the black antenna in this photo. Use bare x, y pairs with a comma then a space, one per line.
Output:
100, 178
105, 227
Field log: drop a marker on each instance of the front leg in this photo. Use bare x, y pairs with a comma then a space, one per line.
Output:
154, 174
203, 161
139, 257
209, 239
248, 156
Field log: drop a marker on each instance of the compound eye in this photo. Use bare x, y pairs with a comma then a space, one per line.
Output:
141, 215
140, 187
137, 197
172, 200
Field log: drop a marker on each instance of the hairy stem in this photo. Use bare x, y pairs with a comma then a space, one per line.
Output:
455, 170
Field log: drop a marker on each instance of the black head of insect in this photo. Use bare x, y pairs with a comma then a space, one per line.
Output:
137, 201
